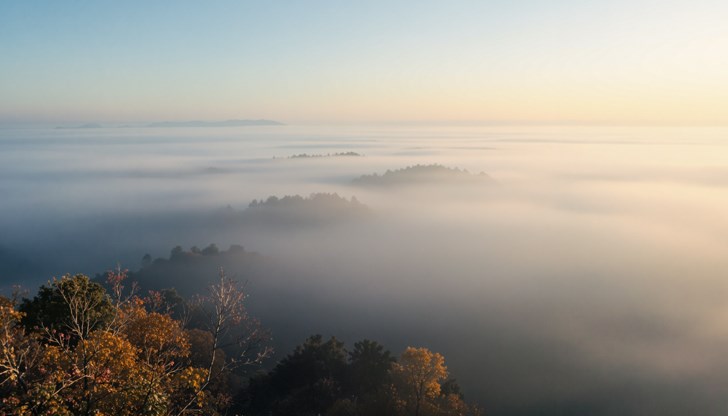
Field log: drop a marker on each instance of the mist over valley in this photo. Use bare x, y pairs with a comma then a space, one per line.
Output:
582, 271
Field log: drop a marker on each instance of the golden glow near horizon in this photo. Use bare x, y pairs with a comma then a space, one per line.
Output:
642, 62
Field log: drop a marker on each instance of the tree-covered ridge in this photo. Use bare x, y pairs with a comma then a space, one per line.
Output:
316, 209
290, 212
322, 377
422, 174
318, 200
188, 271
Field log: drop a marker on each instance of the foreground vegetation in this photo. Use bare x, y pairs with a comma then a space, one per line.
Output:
81, 348
321, 377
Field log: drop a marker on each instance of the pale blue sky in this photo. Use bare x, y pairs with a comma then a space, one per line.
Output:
335, 61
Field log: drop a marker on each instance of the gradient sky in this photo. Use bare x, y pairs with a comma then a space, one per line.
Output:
616, 61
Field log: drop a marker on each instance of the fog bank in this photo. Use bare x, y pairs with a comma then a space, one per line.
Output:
586, 275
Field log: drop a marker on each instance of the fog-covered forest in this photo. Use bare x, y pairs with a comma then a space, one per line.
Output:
557, 270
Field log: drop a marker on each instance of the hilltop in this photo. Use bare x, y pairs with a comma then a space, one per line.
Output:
421, 174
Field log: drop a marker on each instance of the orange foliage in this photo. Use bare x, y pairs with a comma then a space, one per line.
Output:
418, 373
159, 339
135, 362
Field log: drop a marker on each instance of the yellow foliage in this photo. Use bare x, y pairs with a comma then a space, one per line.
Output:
132, 362
134, 371
159, 338
421, 370
192, 378
418, 374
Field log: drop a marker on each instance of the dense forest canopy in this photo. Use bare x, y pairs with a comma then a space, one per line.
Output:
79, 348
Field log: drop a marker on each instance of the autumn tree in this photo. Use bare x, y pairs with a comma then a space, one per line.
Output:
20, 357
418, 373
422, 386
223, 315
76, 349
73, 305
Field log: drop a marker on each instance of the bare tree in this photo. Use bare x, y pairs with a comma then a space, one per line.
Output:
232, 329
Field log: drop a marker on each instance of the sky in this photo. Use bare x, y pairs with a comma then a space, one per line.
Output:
560, 61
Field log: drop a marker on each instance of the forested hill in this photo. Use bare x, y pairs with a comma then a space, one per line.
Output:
422, 175
192, 271
317, 209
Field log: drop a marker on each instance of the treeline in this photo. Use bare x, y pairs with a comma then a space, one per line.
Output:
317, 209
319, 155
81, 348
322, 377
421, 174
188, 270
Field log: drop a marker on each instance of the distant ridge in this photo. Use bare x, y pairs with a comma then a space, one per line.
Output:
225, 123
83, 126
422, 174
339, 154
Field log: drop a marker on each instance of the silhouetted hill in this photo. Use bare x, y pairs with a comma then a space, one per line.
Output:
296, 211
421, 174
225, 123
192, 271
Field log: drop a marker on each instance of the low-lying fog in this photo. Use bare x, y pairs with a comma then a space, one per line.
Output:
585, 273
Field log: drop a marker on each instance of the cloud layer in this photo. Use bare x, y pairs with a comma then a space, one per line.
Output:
589, 279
